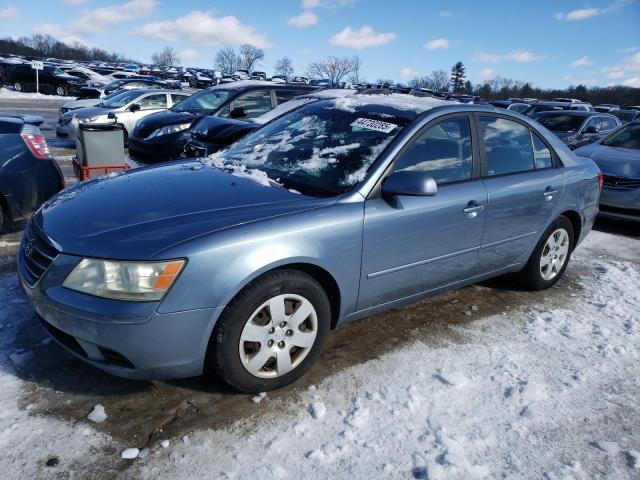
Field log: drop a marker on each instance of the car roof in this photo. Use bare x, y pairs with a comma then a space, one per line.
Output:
248, 84
572, 113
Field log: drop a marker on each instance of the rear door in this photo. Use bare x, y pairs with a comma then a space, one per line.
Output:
523, 185
414, 244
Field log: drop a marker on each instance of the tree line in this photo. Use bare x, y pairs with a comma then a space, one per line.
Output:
47, 46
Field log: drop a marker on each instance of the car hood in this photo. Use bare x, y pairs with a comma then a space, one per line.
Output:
165, 118
86, 112
622, 162
136, 214
87, 102
221, 131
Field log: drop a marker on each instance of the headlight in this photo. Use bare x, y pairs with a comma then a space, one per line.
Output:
136, 281
90, 119
170, 129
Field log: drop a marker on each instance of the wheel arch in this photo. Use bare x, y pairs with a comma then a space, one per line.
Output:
576, 223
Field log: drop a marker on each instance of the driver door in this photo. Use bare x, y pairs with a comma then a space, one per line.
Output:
415, 244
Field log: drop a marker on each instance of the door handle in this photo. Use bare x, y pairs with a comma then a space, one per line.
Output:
472, 209
549, 193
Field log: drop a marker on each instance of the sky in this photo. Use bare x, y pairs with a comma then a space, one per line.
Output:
550, 43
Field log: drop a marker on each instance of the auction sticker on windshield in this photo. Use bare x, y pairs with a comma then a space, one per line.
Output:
377, 125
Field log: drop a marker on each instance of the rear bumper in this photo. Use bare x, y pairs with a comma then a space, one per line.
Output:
126, 339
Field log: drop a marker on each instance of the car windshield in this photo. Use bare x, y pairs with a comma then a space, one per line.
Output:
120, 100
114, 84
54, 70
204, 102
626, 137
624, 116
561, 123
318, 150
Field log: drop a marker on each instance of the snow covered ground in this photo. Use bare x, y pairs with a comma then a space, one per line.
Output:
7, 93
546, 390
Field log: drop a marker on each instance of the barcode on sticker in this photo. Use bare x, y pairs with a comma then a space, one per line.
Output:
377, 125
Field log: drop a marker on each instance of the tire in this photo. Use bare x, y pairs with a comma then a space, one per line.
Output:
61, 90
2, 219
18, 87
248, 350
550, 258
193, 83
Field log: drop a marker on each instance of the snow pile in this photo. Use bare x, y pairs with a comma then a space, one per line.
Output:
538, 393
6, 93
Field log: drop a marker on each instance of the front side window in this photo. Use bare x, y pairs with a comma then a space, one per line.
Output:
286, 95
319, 149
560, 122
608, 124
507, 146
254, 103
177, 98
443, 151
120, 99
205, 102
153, 102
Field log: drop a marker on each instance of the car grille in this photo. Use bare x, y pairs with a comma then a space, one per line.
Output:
620, 183
36, 254
141, 132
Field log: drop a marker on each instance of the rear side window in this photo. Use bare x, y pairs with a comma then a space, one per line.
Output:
443, 151
286, 95
507, 146
541, 152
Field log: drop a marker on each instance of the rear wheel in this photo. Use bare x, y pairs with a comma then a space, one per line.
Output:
61, 91
18, 87
271, 333
550, 257
2, 221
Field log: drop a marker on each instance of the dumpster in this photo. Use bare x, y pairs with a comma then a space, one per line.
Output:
99, 149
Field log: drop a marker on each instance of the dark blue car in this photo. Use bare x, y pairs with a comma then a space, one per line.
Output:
28, 174
245, 261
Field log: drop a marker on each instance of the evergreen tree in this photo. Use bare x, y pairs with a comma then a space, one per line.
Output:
457, 77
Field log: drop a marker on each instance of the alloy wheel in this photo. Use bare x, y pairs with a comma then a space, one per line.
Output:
554, 254
278, 336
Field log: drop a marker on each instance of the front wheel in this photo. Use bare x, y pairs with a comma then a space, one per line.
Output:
550, 257
61, 91
17, 86
271, 333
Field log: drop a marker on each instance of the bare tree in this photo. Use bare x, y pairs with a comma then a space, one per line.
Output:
354, 77
437, 81
333, 68
226, 60
249, 56
284, 67
167, 57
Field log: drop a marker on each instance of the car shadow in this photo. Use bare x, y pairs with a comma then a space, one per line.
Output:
618, 227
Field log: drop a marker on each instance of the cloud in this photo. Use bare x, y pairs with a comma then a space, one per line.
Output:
305, 19
8, 12
632, 82
487, 73
615, 73
326, 4
100, 19
202, 27
74, 3
437, 44
60, 32
582, 62
445, 13
364, 37
590, 12
187, 55
519, 56
408, 72
307, 51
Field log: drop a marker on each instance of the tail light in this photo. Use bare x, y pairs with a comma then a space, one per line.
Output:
600, 180
35, 142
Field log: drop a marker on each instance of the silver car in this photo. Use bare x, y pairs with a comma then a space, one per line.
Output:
127, 107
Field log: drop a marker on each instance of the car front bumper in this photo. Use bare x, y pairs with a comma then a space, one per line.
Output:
620, 204
127, 339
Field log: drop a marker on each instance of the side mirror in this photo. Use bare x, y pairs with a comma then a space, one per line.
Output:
238, 112
591, 129
135, 107
111, 115
409, 183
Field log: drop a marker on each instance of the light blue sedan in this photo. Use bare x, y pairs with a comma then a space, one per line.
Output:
335, 211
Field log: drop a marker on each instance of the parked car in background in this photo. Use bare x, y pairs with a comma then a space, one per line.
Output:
125, 109
200, 79
51, 80
162, 136
209, 134
544, 106
626, 116
577, 128
519, 107
85, 102
618, 156
330, 213
568, 100
28, 174
606, 107
91, 78
122, 84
